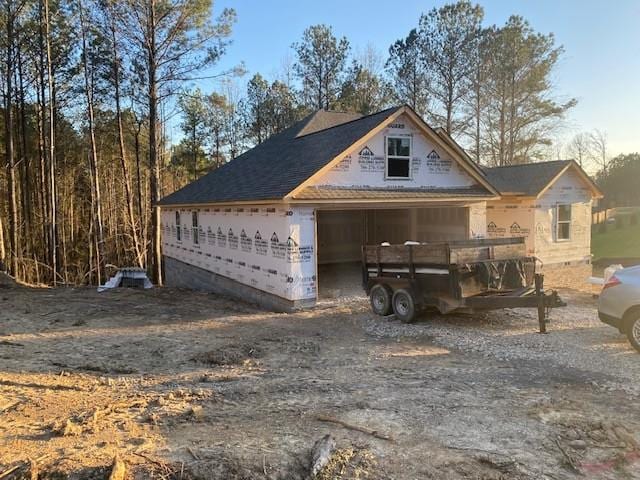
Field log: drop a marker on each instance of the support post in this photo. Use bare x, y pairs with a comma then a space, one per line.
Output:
412, 267
539, 283
365, 269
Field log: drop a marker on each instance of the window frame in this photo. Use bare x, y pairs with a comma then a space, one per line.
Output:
178, 227
563, 222
195, 227
399, 157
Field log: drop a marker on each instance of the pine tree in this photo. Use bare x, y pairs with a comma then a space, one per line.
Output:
320, 65
410, 83
449, 37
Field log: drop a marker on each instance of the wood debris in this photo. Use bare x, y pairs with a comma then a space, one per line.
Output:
118, 469
321, 454
357, 428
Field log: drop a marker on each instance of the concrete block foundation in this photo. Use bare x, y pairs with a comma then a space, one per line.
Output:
182, 275
573, 275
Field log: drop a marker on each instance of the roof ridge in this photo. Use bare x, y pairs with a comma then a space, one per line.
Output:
334, 111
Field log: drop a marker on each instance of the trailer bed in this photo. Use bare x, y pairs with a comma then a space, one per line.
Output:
464, 275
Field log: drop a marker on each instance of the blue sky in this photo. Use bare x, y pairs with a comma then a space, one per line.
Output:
600, 67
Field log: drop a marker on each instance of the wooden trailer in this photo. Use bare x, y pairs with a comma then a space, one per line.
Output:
466, 275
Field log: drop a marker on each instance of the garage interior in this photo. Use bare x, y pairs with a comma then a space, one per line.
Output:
342, 233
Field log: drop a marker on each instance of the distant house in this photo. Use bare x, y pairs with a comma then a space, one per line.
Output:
549, 204
283, 224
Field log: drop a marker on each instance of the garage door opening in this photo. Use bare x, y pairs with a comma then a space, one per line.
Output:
342, 233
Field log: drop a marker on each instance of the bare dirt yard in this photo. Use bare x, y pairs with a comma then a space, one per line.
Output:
189, 385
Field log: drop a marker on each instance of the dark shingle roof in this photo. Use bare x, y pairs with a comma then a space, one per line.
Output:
277, 166
527, 179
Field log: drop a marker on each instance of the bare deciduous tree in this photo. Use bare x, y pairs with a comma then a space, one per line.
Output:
580, 149
599, 144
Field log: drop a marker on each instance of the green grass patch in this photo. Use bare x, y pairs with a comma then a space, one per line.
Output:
616, 242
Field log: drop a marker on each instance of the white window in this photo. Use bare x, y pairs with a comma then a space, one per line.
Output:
398, 157
195, 228
178, 228
563, 222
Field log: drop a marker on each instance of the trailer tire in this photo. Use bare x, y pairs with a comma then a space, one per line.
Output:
380, 298
404, 305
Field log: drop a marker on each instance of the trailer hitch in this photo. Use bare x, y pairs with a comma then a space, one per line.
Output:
542, 310
545, 302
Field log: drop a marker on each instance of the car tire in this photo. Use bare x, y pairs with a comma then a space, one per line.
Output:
380, 298
404, 305
633, 330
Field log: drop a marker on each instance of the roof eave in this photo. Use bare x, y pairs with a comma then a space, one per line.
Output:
225, 203
409, 200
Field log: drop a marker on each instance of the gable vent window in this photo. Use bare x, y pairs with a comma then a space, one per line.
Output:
195, 228
563, 222
178, 228
398, 157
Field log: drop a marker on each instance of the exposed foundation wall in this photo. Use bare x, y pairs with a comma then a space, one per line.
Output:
574, 275
270, 249
183, 275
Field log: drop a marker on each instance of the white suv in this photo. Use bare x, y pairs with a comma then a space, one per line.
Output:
619, 303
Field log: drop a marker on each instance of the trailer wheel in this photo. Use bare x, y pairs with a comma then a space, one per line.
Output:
380, 297
404, 305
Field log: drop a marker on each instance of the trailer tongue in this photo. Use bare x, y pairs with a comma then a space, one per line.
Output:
468, 275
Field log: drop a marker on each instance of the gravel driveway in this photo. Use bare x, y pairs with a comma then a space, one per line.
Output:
577, 340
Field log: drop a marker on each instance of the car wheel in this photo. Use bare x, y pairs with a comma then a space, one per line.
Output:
633, 331
404, 306
380, 297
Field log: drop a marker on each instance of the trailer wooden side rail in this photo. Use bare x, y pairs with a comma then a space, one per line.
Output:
464, 275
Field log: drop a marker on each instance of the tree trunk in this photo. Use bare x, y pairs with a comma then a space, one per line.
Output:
478, 112
143, 226
93, 155
10, 158
2, 250
449, 108
154, 164
42, 149
195, 153
53, 234
25, 160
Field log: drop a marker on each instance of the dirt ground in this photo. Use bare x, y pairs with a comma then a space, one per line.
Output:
189, 385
